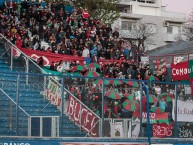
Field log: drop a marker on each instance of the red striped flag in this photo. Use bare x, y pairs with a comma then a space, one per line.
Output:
159, 63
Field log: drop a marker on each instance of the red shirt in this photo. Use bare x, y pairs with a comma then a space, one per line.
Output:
18, 43
85, 15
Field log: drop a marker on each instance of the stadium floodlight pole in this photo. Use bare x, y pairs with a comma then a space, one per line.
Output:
102, 112
148, 114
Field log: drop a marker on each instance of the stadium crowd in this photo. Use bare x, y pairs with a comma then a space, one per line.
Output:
75, 33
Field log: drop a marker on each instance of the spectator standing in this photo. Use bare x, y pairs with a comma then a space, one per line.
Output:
116, 33
158, 90
11, 6
162, 104
85, 14
85, 52
127, 50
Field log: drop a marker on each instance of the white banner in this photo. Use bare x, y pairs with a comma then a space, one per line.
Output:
118, 129
177, 59
184, 111
145, 60
187, 89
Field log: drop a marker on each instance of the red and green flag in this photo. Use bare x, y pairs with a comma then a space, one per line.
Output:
154, 117
159, 63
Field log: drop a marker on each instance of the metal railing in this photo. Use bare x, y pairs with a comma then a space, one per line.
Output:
28, 60
14, 120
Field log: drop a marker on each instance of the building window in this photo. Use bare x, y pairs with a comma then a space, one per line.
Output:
127, 10
169, 30
179, 29
130, 9
127, 25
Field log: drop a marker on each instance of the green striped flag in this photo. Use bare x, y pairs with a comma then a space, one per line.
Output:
159, 63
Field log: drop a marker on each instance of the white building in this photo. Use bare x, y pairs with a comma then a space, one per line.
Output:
168, 24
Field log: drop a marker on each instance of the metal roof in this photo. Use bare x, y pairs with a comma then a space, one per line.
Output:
180, 47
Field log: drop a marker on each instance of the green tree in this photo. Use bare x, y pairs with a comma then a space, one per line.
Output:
104, 10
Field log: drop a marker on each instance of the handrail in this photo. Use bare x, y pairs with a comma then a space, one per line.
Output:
22, 53
14, 102
46, 73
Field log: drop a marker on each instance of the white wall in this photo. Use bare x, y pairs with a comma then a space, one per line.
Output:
153, 11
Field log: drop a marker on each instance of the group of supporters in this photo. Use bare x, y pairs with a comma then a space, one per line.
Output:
74, 32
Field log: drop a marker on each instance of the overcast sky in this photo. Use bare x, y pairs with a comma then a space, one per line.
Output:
185, 6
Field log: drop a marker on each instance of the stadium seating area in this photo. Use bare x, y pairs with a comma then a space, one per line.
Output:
31, 101
75, 36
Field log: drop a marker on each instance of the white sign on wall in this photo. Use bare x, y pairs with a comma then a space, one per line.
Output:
184, 111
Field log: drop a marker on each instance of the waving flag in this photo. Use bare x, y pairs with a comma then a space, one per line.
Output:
159, 63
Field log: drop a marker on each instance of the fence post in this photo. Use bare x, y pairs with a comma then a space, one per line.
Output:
176, 107
27, 70
141, 109
148, 115
102, 112
62, 107
17, 103
80, 116
45, 87
11, 58
11, 117
29, 126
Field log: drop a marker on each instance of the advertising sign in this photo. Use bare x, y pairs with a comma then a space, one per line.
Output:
101, 144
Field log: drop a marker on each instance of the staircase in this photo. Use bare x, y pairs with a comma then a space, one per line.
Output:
30, 100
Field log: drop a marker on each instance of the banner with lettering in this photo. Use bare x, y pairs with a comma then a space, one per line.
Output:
53, 93
180, 71
185, 131
162, 130
83, 117
154, 117
184, 111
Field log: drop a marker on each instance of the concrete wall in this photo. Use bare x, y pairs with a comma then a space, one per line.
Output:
154, 14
